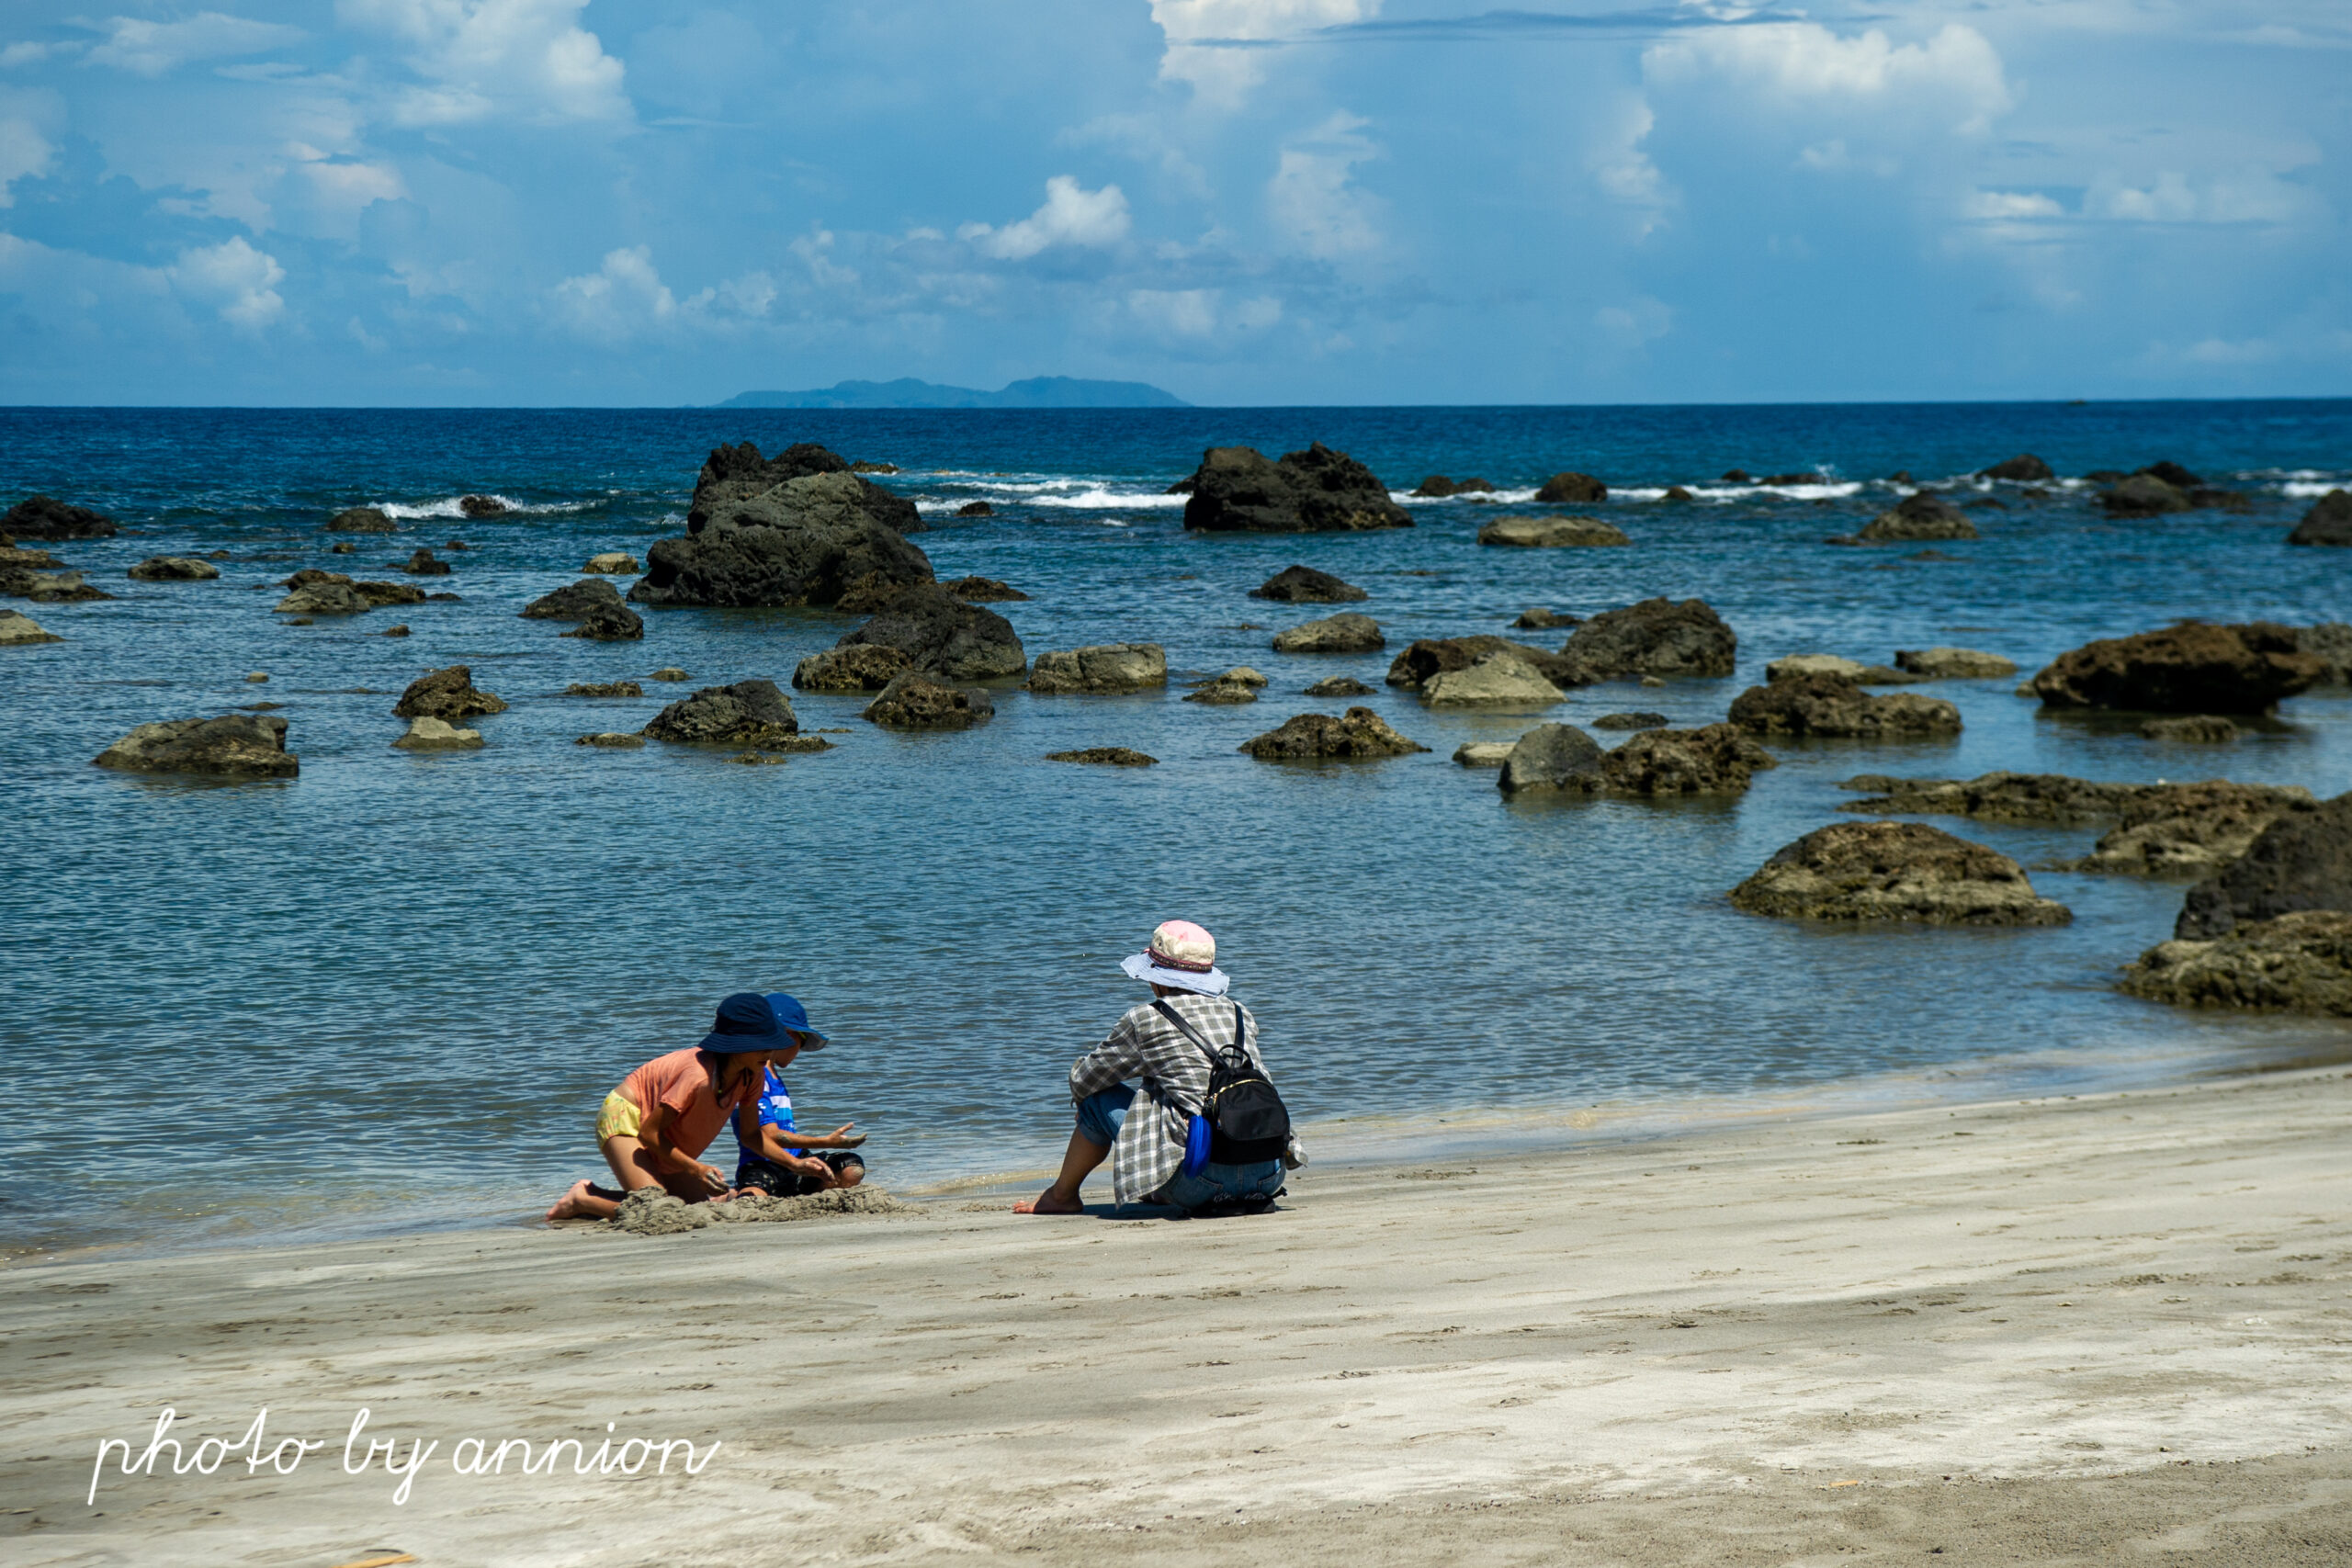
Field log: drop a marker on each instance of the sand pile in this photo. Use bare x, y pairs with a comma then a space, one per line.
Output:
649, 1211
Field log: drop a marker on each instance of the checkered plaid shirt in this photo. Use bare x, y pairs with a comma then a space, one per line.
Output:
1174, 1076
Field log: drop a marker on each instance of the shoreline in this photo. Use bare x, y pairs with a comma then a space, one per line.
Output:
2123, 1314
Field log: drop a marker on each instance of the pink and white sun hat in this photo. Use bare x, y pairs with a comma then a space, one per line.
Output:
1181, 954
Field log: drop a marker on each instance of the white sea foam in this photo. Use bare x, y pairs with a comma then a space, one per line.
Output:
2309, 490
450, 507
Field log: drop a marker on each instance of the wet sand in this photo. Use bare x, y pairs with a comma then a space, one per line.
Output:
2112, 1328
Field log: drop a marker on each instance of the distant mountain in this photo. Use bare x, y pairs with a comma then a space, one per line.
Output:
1037, 393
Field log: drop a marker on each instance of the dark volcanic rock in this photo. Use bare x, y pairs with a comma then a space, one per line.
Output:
943, 637
1316, 490
1657, 636
1541, 619
1113, 756
1716, 759
1920, 516
604, 689
862, 667
749, 712
2330, 642
1677, 492
20, 631
46, 517
984, 591
2302, 861
2144, 495
1571, 489
424, 563
1315, 734
447, 695
2173, 474
235, 745
2298, 963
1105, 668
173, 568
610, 622
976, 508
379, 595
360, 520
1435, 487
482, 506
1631, 721
917, 702
1337, 686
1894, 871
1552, 758
2196, 729
1551, 533
2191, 668
1826, 706
2329, 521
1346, 632
575, 601
1304, 585
1432, 657
2024, 469
796, 529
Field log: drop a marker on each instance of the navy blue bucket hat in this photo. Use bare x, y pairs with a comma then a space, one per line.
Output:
745, 1022
791, 1015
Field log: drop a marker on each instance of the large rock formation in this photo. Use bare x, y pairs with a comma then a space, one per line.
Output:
1105, 668
1304, 585
1317, 491
2191, 668
2298, 963
1894, 871
1919, 517
2329, 521
235, 745
749, 712
46, 517
1715, 760
360, 520
1826, 706
796, 529
1500, 679
1430, 657
1551, 533
1346, 632
2145, 495
943, 637
2302, 861
862, 667
1571, 488
912, 701
1953, 664
173, 568
575, 601
1551, 758
2023, 468
445, 695
610, 622
1312, 736
1657, 636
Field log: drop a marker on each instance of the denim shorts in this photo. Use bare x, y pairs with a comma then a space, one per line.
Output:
1099, 1118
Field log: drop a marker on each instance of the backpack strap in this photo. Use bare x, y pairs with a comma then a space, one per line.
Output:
1159, 1006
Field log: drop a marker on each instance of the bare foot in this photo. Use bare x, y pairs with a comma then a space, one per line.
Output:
1047, 1203
573, 1204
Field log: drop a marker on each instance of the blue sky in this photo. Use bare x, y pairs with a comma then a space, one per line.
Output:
1245, 201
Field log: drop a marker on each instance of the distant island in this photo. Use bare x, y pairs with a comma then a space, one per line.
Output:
1037, 393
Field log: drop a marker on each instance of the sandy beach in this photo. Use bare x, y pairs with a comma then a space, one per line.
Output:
2044, 1331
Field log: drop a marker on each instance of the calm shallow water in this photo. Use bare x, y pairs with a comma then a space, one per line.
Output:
395, 990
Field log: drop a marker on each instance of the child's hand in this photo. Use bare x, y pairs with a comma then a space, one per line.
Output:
839, 1138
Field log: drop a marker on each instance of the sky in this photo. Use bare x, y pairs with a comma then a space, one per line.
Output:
663, 202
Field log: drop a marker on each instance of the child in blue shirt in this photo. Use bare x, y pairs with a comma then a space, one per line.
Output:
773, 1154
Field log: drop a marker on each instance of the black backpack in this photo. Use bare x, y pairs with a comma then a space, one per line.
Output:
1245, 1118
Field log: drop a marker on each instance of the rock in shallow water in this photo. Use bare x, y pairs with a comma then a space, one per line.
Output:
1239, 684
1304, 585
360, 520
1826, 706
1715, 760
1551, 533
1798, 664
232, 745
1103, 668
616, 563
20, 631
1894, 871
1337, 686
2329, 521
1483, 753
942, 636
1310, 736
1346, 632
1316, 490
914, 701
612, 738
574, 600
1920, 516
1953, 664
604, 689
1548, 759
1109, 756
1638, 720
434, 734
796, 529
1657, 636
1500, 679
749, 712
610, 622
2302, 861
1429, 658
861, 667
173, 568
2297, 962
2199, 729
449, 694
1571, 488
48, 518
984, 591
2195, 668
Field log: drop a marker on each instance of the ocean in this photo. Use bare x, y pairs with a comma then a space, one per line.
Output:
392, 993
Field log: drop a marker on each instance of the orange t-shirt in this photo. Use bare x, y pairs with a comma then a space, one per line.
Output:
680, 1082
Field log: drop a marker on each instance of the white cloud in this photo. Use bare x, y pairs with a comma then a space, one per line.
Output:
624, 296
1998, 206
1956, 74
1071, 215
1622, 170
1200, 34
18, 54
1312, 199
25, 117
1199, 313
482, 58
151, 49
2252, 195
236, 279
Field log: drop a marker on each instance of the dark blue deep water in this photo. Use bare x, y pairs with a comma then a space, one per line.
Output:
393, 992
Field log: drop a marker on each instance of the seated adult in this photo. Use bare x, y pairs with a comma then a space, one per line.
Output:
1142, 1128
665, 1114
